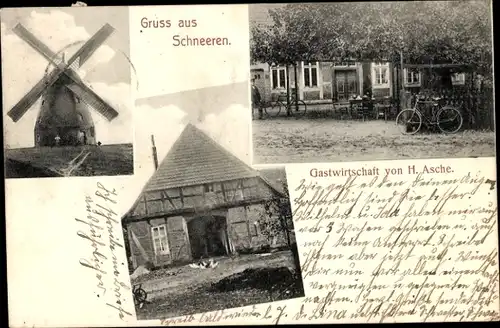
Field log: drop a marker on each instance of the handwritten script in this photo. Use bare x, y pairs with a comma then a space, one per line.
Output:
398, 247
101, 230
379, 244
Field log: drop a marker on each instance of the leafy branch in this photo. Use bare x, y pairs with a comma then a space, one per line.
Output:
425, 32
276, 216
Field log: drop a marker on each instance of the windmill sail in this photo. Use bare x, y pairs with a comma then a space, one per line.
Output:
77, 87
91, 45
35, 43
31, 97
88, 96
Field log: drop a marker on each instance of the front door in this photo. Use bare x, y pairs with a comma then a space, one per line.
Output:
208, 236
346, 84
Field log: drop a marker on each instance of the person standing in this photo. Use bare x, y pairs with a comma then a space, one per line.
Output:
256, 99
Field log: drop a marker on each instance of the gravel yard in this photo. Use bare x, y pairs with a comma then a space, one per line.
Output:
239, 281
302, 140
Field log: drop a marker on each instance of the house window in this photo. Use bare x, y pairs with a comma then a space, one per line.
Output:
380, 75
458, 79
278, 77
209, 187
412, 77
311, 74
160, 241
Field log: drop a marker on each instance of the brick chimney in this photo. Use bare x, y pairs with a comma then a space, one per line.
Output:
155, 155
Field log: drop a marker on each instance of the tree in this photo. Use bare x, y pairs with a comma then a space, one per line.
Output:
424, 32
277, 215
292, 38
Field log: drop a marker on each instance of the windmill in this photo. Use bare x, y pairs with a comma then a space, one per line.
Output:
64, 118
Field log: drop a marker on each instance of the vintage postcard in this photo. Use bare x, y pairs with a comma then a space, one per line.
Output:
250, 164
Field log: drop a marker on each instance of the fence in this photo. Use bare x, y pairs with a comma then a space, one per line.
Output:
475, 105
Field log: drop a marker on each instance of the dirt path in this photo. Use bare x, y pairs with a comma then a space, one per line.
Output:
181, 279
186, 292
290, 140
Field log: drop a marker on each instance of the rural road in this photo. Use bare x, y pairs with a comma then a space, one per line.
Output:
290, 140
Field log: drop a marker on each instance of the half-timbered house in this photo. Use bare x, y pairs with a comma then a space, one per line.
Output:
202, 201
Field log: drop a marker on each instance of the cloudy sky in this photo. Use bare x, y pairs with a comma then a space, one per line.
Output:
107, 71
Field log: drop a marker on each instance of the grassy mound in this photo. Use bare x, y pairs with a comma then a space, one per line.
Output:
267, 279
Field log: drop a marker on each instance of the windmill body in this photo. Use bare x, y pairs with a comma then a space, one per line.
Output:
64, 117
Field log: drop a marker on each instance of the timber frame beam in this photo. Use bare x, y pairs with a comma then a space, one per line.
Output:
177, 212
165, 196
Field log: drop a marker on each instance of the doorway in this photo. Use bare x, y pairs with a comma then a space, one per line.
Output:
346, 84
208, 236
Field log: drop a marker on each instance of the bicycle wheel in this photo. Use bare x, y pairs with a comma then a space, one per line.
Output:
140, 295
275, 109
409, 121
299, 108
449, 120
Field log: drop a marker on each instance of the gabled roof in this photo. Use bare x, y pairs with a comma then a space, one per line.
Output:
196, 159
276, 178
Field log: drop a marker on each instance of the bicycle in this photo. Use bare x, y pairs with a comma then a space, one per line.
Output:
448, 119
298, 107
